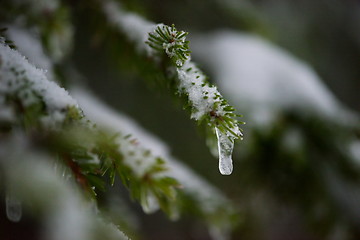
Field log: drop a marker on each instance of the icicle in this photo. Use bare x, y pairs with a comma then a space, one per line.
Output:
149, 202
13, 208
225, 148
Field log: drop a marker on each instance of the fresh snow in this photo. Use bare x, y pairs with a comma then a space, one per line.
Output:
209, 198
203, 97
136, 155
28, 43
264, 79
64, 211
19, 77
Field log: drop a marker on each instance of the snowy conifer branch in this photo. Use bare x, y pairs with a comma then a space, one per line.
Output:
27, 89
30, 101
89, 153
32, 177
96, 153
214, 207
206, 104
64, 147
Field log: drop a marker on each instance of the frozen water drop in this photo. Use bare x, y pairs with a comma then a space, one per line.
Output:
149, 203
13, 208
225, 148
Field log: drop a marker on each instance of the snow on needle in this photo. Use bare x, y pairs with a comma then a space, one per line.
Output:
207, 104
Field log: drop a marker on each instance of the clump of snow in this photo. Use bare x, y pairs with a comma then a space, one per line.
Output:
263, 78
30, 85
138, 158
104, 116
202, 96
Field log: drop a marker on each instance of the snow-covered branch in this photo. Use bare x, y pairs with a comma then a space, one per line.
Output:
27, 86
30, 101
39, 189
204, 100
210, 200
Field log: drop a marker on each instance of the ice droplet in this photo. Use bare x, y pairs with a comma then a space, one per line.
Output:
149, 203
13, 208
225, 148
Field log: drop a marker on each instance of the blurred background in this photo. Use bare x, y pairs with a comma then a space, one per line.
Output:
279, 199
297, 171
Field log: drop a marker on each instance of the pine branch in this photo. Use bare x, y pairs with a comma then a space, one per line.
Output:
56, 124
91, 153
206, 104
212, 206
28, 90
45, 194
38, 104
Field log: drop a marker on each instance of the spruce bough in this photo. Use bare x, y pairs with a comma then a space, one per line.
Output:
206, 104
